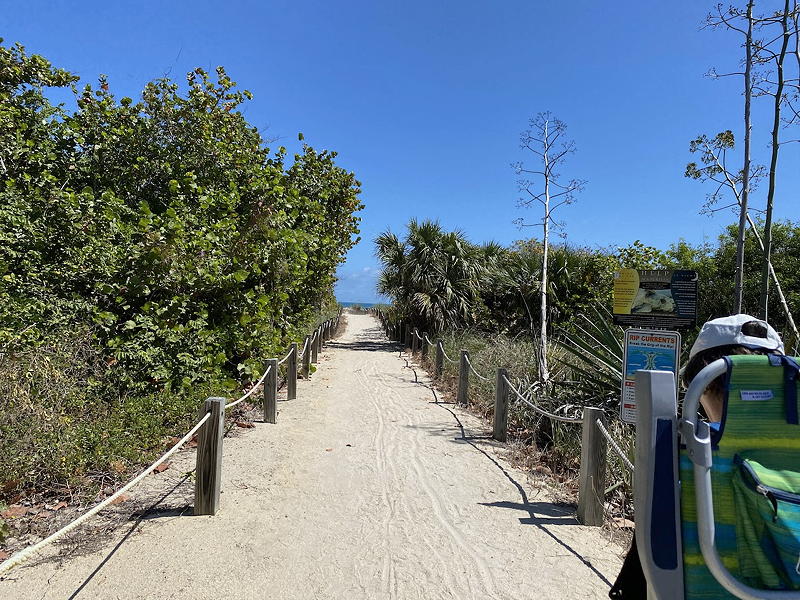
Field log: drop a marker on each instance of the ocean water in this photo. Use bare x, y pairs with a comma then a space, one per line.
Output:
361, 304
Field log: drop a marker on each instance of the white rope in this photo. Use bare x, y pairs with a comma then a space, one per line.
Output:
252, 389
285, 358
447, 358
471, 368
303, 353
25, 554
614, 445
540, 410
427, 339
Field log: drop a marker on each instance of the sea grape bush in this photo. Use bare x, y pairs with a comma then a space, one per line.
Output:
163, 225
152, 252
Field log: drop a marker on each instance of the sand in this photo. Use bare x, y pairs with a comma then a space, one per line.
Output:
365, 488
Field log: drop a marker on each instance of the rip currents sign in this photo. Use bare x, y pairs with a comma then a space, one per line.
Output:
650, 350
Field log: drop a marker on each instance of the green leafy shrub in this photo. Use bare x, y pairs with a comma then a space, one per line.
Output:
163, 229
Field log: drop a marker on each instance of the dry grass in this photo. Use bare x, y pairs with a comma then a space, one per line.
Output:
64, 428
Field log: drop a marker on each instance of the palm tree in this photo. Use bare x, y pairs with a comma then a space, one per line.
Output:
432, 276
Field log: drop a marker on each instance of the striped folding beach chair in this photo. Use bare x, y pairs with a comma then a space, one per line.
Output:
718, 511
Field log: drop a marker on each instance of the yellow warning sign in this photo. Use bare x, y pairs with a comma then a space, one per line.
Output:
626, 286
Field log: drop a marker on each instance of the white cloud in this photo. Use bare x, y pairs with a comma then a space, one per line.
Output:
358, 285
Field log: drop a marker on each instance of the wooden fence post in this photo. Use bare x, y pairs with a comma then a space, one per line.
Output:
500, 428
400, 331
208, 472
407, 337
307, 358
271, 392
424, 343
439, 358
592, 478
414, 341
291, 373
463, 379
315, 348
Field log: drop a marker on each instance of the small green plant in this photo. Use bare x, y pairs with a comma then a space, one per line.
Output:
593, 354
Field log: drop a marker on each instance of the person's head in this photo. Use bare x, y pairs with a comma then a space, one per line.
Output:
727, 336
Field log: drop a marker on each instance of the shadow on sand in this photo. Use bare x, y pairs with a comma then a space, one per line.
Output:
148, 514
540, 514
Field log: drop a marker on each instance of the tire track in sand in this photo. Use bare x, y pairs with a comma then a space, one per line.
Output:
440, 507
388, 577
368, 381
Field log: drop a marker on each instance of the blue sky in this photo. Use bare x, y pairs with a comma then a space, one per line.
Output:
424, 101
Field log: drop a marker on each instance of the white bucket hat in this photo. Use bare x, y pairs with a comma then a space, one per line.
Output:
727, 331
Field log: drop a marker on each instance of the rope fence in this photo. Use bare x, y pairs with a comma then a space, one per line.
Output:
595, 437
210, 432
474, 372
541, 411
252, 389
614, 445
285, 358
30, 551
447, 358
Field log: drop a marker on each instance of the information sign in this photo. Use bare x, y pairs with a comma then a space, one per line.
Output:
655, 298
646, 349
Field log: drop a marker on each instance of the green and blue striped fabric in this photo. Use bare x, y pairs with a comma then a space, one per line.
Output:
755, 422
768, 519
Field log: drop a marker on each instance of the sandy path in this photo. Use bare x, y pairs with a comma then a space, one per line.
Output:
364, 489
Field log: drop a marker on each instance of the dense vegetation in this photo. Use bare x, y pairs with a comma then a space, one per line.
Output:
438, 280
483, 298
150, 250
